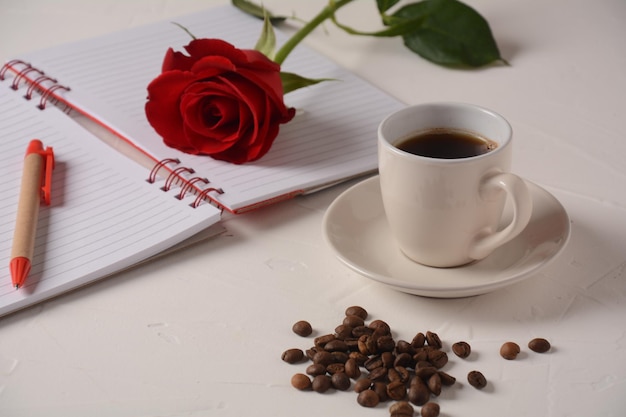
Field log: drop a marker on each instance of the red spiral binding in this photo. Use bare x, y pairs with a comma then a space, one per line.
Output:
204, 195
33, 84
161, 164
188, 185
37, 84
22, 75
175, 175
49, 92
9, 65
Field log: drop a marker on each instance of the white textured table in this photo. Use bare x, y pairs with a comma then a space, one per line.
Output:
201, 332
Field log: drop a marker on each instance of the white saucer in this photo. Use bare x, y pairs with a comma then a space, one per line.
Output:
355, 227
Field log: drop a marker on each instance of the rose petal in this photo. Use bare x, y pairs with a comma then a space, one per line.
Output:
212, 66
162, 107
175, 60
215, 47
209, 105
257, 60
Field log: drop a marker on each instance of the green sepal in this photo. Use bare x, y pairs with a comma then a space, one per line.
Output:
267, 41
185, 29
257, 11
293, 81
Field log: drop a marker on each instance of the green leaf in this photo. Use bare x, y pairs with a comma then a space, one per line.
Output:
451, 33
257, 11
384, 5
267, 41
293, 81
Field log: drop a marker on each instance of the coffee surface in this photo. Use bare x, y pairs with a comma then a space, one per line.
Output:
446, 144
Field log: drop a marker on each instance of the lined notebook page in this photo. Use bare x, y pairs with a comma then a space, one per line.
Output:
332, 137
103, 216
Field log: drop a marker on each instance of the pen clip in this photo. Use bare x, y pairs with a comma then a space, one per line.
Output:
46, 175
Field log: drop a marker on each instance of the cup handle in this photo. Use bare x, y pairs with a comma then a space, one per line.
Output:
518, 193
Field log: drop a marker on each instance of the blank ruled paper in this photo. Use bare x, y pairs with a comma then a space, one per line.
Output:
333, 136
104, 216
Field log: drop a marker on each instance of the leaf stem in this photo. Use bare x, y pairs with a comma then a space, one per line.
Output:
326, 12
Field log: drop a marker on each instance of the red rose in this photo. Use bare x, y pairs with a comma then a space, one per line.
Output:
219, 101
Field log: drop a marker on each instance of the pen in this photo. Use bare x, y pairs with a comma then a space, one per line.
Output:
35, 189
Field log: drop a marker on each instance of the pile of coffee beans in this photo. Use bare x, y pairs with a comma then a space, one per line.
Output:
366, 357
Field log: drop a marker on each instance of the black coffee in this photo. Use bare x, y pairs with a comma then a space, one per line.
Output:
446, 144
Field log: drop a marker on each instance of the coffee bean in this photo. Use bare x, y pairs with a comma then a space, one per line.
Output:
339, 357
476, 379
358, 357
438, 358
385, 343
430, 409
433, 340
301, 382
380, 388
320, 341
396, 390
356, 311
446, 379
359, 331
388, 359
336, 345
539, 345
403, 372
353, 321
418, 394
404, 347
401, 408
378, 374
509, 350
293, 355
334, 368
419, 340
425, 372
461, 349
434, 384
316, 369
343, 332
368, 398
398, 373
352, 368
362, 385
324, 358
321, 383
310, 353
405, 360
340, 381
363, 345
352, 342
421, 354
302, 328
373, 363
380, 326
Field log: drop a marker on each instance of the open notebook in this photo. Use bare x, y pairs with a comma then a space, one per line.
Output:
103, 217
332, 137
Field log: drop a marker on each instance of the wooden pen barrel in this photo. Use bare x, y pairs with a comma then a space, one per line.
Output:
28, 207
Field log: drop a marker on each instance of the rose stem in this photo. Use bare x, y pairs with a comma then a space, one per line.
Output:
326, 12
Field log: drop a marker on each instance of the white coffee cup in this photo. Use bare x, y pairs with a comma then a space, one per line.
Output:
447, 212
